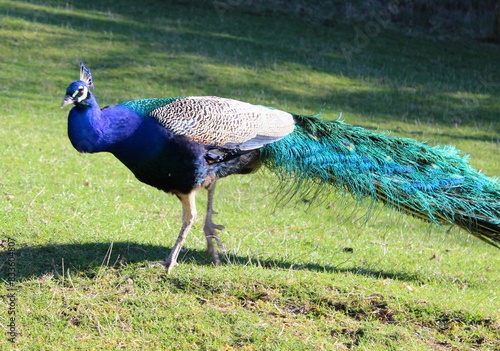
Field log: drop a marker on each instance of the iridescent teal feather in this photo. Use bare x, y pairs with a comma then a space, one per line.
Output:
433, 183
143, 107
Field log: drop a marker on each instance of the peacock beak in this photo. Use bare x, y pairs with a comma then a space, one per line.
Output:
68, 100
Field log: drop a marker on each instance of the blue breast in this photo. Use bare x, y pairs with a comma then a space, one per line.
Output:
155, 155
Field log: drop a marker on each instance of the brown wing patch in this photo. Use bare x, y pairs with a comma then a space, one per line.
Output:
219, 121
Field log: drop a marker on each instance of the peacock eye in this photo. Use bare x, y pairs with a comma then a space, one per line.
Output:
80, 92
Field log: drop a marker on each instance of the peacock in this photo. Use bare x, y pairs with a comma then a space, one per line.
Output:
182, 144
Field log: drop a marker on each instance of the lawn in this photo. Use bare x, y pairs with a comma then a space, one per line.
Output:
333, 274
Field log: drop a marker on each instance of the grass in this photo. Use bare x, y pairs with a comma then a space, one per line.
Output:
300, 276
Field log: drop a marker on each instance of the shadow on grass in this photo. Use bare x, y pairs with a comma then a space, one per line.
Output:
180, 31
35, 261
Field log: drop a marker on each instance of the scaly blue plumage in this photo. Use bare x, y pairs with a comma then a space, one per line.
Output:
180, 145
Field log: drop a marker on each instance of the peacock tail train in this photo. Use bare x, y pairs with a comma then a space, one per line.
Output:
432, 183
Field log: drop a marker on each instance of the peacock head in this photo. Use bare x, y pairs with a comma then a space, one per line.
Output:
78, 92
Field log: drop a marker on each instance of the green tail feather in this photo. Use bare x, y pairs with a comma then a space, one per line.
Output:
432, 183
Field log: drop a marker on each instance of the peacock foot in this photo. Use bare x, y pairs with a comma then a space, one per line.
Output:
168, 264
210, 230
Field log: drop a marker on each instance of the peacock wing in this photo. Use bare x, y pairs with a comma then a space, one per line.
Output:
224, 123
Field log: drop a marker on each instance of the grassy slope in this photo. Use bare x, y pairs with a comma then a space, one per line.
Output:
86, 231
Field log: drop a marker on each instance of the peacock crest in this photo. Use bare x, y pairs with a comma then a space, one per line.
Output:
86, 76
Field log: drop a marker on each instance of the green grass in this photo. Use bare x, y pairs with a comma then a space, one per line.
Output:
332, 275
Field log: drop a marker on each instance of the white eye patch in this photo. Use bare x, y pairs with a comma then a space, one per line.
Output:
80, 94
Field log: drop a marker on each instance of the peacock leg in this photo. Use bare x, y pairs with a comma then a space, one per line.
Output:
188, 218
210, 227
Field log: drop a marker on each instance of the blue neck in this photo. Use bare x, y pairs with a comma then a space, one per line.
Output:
92, 130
